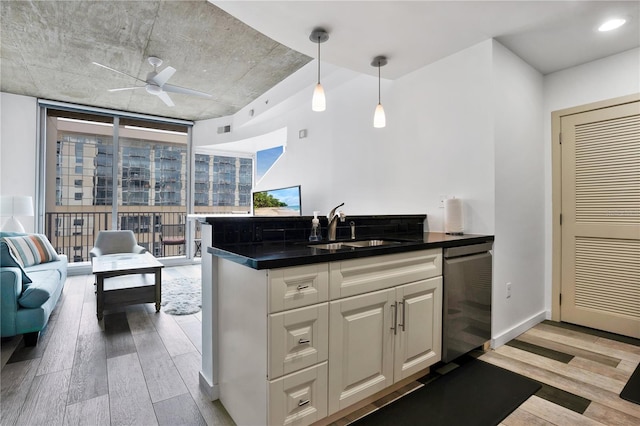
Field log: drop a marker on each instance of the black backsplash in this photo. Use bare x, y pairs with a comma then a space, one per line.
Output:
233, 230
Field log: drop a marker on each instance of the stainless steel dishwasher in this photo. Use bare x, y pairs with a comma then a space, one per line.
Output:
466, 313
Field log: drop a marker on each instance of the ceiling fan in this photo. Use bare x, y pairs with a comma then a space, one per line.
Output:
156, 82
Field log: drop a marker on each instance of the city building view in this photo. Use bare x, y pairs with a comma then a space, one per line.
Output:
138, 178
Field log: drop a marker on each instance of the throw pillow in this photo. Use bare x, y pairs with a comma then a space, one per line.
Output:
7, 260
31, 249
45, 284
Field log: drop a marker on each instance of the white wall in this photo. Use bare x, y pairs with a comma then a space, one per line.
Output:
519, 195
18, 137
440, 140
607, 78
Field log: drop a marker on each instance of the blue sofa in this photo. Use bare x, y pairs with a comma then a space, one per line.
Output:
25, 306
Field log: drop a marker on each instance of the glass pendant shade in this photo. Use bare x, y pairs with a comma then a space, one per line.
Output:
318, 102
379, 119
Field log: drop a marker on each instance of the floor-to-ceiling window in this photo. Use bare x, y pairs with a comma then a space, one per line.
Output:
105, 170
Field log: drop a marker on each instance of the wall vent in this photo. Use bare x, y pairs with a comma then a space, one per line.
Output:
224, 129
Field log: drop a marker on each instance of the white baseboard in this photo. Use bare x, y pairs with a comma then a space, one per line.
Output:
212, 391
514, 332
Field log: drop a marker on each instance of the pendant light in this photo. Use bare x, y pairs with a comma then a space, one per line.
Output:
318, 102
379, 119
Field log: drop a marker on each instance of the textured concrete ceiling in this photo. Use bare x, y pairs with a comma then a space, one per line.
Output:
47, 47
47, 50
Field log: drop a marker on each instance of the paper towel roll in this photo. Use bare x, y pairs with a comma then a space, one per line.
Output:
453, 219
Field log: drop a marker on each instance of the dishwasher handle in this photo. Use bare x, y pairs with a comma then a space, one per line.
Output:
467, 250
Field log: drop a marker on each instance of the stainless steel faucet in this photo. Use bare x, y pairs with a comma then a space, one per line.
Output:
333, 222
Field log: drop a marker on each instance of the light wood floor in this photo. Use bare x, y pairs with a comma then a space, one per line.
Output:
135, 367
138, 367
582, 372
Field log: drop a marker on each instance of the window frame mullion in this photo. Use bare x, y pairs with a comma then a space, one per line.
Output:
114, 173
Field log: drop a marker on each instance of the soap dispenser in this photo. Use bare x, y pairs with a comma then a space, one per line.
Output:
315, 228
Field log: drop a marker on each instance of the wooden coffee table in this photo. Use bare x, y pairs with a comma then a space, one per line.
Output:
127, 292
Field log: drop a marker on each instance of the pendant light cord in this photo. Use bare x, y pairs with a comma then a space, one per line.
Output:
378, 82
318, 59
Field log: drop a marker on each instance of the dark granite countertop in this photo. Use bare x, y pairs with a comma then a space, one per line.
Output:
268, 255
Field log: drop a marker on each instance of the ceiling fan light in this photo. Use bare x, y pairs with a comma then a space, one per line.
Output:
153, 89
318, 102
612, 24
379, 119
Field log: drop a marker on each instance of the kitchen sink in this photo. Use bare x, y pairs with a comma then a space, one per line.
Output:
353, 244
369, 243
328, 246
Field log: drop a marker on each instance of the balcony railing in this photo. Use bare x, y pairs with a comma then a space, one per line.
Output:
74, 233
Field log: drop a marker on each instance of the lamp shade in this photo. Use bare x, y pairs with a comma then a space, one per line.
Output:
379, 119
16, 205
12, 206
318, 102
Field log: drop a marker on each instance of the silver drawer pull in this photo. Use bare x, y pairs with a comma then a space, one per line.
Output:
302, 286
303, 402
394, 309
303, 341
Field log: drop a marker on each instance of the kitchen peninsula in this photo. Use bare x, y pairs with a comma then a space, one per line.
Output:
299, 332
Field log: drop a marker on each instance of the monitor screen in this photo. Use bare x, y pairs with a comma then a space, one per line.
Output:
278, 202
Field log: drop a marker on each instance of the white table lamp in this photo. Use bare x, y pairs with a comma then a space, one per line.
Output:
15, 206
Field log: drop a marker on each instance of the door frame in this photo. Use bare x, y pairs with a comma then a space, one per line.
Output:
556, 191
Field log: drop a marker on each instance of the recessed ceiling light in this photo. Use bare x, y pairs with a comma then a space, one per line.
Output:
612, 24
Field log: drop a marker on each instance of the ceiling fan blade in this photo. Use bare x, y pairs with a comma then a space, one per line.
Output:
163, 76
126, 88
115, 70
183, 90
166, 99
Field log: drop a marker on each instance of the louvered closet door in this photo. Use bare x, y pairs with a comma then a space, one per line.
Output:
601, 219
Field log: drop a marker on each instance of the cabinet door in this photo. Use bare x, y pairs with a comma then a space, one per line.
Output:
360, 347
298, 338
418, 340
299, 398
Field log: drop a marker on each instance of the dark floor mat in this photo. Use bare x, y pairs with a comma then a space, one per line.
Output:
476, 393
631, 391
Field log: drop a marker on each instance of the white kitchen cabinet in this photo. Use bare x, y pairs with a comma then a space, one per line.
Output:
298, 286
418, 333
379, 338
360, 347
298, 338
265, 363
299, 398
357, 276
297, 344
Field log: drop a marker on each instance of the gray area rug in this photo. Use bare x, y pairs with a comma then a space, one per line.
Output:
181, 296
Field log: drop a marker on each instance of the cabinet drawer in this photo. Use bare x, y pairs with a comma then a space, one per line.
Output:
357, 276
298, 286
299, 398
298, 339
